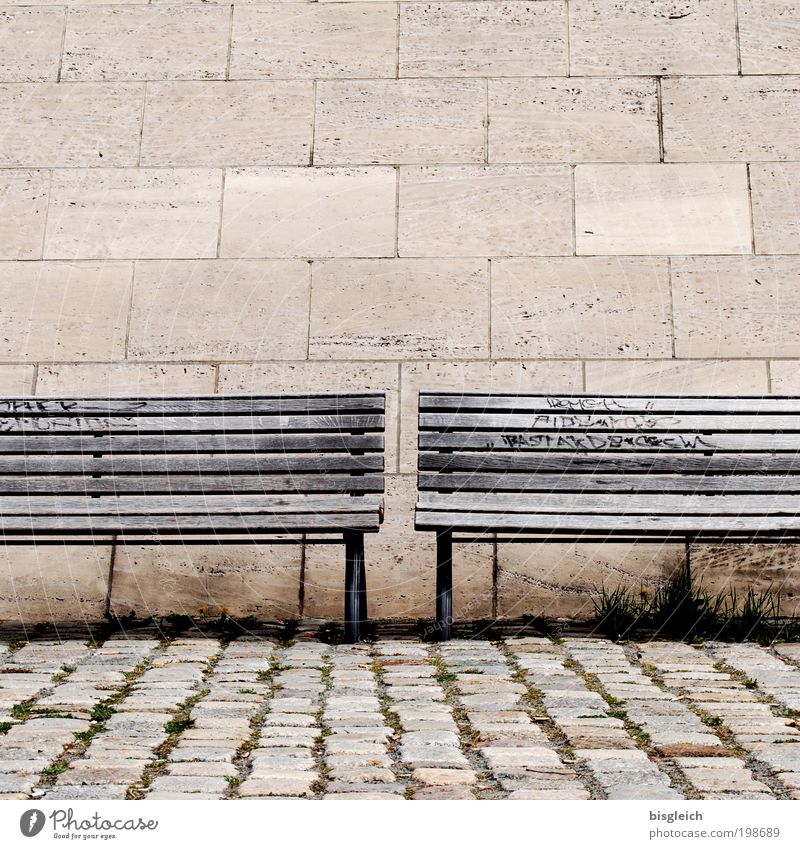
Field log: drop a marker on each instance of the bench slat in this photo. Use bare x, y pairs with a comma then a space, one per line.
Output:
609, 404
641, 423
590, 442
237, 483
193, 406
251, 463
622, 463
207, 523
161, 424
601, 523
522, 482
44, 443
623, 504
186, 504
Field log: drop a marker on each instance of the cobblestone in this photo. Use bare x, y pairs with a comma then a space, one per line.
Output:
525, 718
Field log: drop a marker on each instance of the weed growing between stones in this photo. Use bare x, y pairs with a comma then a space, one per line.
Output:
681, 610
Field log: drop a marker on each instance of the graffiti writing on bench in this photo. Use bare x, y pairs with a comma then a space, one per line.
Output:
50, 405
27, 425
609, 404
611, 422
611, 442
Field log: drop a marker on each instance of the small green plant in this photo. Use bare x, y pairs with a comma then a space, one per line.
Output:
102, 712
617, 612
54, 769
178, 726
712, 721
5, 727
22, 710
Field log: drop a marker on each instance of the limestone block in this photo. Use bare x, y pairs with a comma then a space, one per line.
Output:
742, 119
313, 41
740, 307
677, 377
64, 311
561, 579
485, 210
30, 43
399, 121
775, 192
133, 213
146, 43
401, 568
244, 580
320, 377
652, 37
227, 123
719, 568
219, 310
399, 309
580, 307
23, 204
309, 212
562, 119
107, 380
510, 377
53, 584
511, 39
662, 209
16, 380
86, 124
785, 377
769, 36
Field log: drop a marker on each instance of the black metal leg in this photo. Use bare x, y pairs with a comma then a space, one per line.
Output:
362, 588
444, 584
355, 590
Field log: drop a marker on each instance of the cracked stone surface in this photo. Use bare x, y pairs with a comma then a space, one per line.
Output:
526, 718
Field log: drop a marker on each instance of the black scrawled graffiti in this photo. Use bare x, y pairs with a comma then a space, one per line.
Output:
597, 442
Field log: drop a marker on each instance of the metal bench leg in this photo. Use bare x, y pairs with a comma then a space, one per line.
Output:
444, 584
355, 586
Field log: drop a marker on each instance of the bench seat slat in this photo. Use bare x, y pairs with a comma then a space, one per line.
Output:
185, 504
608, 462
196, 523
163, 424
44, 443
529, 483
608, 404
621, 504
243, 483
164, 463
602, 442
592, 442
600, 523
583, 422
186, 405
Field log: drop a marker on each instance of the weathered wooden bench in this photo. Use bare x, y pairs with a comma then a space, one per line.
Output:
545, 468
197, 470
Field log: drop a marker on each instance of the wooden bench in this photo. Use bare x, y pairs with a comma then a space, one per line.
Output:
610, 468
196, 470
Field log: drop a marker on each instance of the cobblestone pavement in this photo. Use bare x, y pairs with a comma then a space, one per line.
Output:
528, 718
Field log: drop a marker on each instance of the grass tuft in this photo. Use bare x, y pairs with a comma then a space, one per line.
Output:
681, 610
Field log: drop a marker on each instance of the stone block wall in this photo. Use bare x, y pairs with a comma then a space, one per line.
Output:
531, 195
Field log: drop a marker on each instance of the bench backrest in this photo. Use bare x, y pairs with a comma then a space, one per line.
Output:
72, 464
615, 462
